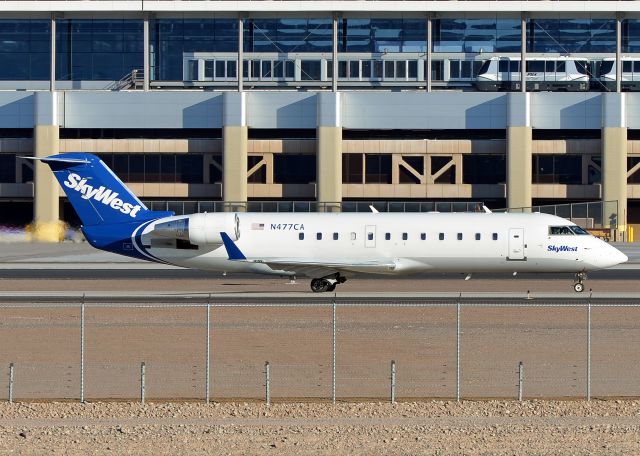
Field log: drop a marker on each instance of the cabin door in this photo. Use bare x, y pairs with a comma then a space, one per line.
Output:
516, 244
370, 236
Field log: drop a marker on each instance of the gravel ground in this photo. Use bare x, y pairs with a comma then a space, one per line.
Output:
495, 428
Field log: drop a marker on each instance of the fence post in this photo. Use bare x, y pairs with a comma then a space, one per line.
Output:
393, 382
520, 380
267, 377
207, 366
333, 380
458, 349
82, 350
589, 347
10, 383
142, 382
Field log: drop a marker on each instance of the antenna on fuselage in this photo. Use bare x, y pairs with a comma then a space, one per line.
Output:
373, 209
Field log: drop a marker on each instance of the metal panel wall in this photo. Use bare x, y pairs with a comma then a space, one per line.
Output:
143, 110
416, 110
632, 101
552, 110
16, 110
281, 110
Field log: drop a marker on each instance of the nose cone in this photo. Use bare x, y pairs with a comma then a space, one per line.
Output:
610, 256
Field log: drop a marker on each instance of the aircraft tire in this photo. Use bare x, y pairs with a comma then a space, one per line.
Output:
578, 287
319, 285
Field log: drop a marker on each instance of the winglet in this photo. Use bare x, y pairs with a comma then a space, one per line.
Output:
232, 249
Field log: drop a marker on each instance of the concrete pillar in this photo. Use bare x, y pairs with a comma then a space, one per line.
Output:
519, 146
614, 162
235, 136
46, 140
329, 152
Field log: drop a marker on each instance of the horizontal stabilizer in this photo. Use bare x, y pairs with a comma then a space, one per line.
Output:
54, 159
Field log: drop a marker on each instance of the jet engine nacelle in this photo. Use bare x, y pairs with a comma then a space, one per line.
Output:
200, 229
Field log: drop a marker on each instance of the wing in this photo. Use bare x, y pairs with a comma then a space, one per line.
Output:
317, 267
312, 267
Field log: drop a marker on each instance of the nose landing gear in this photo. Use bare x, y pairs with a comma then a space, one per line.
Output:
327, 283
578, 286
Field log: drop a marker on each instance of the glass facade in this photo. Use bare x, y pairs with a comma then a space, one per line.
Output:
156, 168
382, 35
571, 35
170, 38
7, 168
476, 35
484, 169
557, 169
98, 49
294, 169
108, 49
25, 49
288, 35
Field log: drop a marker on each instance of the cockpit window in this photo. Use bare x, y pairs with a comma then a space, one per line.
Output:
579, 230
560, 231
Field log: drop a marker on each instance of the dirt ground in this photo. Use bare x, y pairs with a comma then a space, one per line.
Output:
425, 428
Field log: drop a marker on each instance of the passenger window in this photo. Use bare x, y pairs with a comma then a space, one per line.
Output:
561, 66
459, 236
353, 236
370, 236
636, 66
503, 66
423, 236
550, 66
514, 66
404, 236
626, 67
335, 236
301, 236
495, 236
387, 236
319, 236
477, 236
441, 236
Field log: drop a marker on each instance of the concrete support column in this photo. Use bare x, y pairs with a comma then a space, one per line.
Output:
235, 136
329, 152
519, 147
614, 162
46, 140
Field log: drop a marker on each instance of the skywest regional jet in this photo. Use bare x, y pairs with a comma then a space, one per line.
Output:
328, 247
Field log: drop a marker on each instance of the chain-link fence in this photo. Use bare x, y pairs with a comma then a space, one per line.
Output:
322, 350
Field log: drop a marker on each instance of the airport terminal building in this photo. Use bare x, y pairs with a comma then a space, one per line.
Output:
202, 105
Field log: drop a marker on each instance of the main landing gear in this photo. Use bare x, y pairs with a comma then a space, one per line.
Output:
327, 283
578, 286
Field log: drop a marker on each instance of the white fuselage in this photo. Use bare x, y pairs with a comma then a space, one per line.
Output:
413, 242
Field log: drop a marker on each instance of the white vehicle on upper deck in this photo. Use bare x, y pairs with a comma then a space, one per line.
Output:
549, 73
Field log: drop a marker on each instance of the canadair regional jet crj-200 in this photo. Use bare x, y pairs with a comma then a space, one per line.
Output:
328, 247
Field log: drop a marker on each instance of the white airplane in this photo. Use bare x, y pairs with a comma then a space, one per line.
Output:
327, 247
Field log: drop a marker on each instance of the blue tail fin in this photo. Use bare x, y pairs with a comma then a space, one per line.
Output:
96, 193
